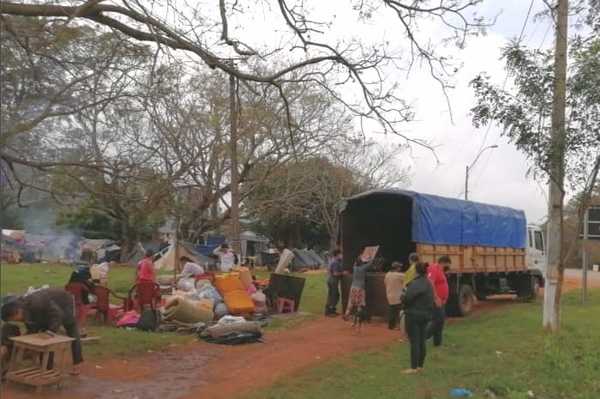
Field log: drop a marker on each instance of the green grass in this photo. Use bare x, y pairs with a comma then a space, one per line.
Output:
312, 303
504, 352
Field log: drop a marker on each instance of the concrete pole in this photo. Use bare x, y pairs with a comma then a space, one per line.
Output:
555, 267
584, 260
235, 189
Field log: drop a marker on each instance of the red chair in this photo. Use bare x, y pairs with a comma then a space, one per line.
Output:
82, 311
142, 294
104, 308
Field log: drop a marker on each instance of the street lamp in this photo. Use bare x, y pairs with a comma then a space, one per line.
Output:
469, 167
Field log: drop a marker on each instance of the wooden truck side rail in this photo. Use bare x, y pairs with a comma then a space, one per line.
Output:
475, 259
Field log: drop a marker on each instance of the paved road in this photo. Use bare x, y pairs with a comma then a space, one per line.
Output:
593, 277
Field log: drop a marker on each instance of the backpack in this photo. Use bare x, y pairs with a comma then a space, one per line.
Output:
149, 320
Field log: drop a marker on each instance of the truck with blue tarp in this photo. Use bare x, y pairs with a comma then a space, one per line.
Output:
492, 248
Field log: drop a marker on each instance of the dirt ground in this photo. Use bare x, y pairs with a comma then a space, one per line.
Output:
219, 372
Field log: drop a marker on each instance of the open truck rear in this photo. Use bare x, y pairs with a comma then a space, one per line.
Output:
486, 243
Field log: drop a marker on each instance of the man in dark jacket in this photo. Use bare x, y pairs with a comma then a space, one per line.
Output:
47, 310
418, 308
335, 273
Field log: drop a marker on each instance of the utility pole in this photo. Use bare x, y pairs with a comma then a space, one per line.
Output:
555, 266
235, 189
584, 259
469, 167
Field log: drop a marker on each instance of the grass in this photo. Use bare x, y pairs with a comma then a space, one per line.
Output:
312, 303
499, 354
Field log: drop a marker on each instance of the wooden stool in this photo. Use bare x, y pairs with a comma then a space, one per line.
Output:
42, 344
285, 305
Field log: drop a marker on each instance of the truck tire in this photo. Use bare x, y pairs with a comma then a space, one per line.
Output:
465, 300
460, 304
528, 288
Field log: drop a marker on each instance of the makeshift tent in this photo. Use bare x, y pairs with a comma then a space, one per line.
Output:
166, 258
211, 243
305, 259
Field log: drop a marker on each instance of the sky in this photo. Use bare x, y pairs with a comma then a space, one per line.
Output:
500, 174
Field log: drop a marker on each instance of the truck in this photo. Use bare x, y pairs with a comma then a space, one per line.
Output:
492, 248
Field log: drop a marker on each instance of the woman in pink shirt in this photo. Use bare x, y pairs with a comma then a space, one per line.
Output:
145, 268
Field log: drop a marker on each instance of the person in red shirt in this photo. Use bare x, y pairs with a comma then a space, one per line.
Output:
145, 268
437, 277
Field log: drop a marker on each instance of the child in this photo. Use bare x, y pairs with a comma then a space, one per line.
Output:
394, 283
8, 330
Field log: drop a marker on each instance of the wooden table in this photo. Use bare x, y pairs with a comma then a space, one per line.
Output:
42, 345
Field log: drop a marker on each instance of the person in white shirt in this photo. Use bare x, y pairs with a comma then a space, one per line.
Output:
226, 257
190, 269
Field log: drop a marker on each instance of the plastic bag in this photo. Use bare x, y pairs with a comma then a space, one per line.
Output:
221, 309
231, 320
186, 284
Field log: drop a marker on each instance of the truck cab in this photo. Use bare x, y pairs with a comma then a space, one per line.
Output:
536, 249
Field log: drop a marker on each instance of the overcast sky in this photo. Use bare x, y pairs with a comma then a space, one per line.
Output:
500, 174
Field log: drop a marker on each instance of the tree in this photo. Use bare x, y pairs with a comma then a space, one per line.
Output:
570, 163
299, 203
308, 50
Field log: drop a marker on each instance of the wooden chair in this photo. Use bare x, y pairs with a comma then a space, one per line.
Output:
142, 294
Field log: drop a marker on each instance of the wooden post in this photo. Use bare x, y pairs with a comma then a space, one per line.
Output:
235, 189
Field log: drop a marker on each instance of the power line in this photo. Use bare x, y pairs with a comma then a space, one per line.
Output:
489, 127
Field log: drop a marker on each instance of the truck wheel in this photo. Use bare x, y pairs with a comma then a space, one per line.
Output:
528, 288
465, 300
481, 295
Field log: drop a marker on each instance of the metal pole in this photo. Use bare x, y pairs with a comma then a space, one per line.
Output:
467, 183
584, 262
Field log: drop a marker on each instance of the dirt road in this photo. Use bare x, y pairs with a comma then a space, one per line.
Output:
219, 372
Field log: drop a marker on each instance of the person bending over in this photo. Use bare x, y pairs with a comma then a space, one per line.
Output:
47, 310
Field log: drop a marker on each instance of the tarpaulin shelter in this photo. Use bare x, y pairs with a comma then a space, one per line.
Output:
306, 259
168, 258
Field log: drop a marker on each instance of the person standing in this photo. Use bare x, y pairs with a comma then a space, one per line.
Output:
437, 277
418, 307
189, 268
226, 257
394, 283
145, 268
357, 297
334, 278
411, 272
47, 310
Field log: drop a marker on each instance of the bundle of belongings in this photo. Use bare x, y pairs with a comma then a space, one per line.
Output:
199, 300
231, 330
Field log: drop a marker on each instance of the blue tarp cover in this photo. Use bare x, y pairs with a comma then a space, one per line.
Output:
441, 220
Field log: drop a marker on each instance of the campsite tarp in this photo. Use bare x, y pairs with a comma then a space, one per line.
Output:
441, 220
167, 260
305, 259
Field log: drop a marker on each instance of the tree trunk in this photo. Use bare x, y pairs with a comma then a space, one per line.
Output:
235, 189
555, 264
